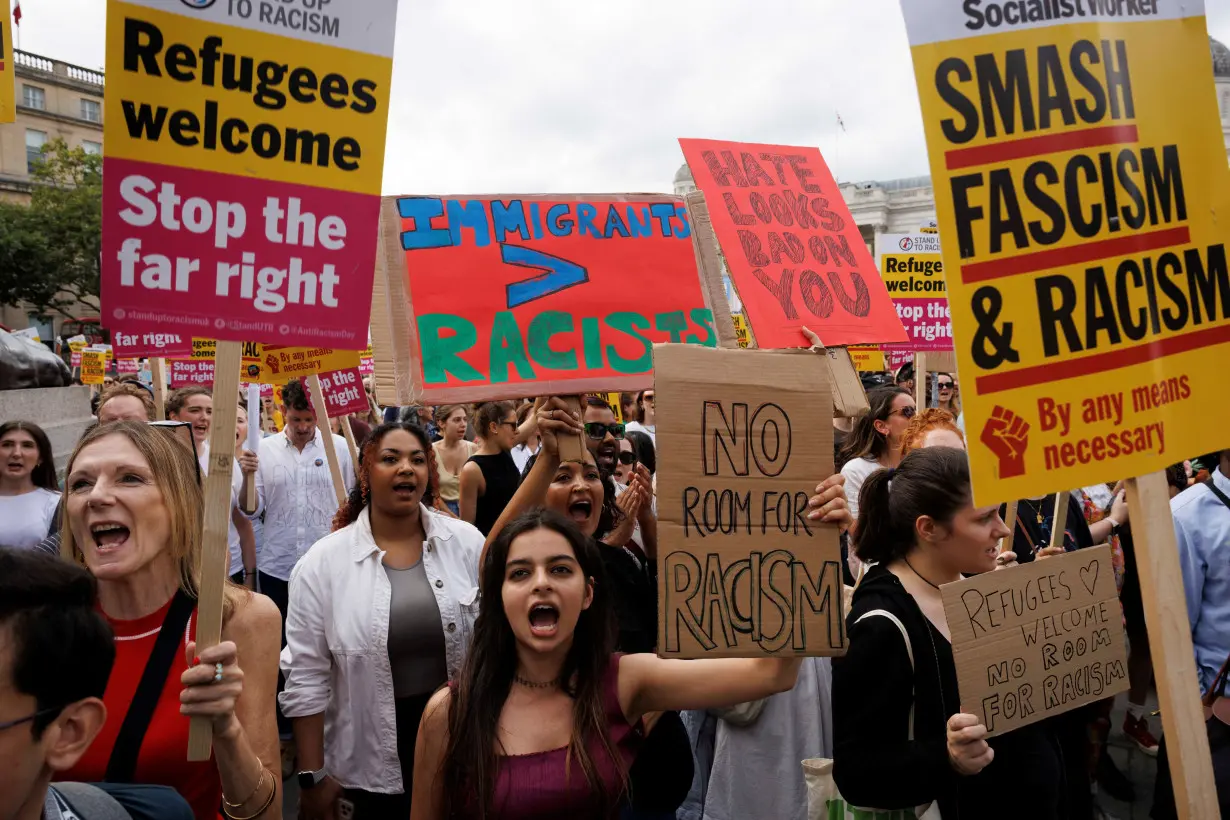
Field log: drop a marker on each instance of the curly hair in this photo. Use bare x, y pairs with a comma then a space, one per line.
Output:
933, 418
360, 495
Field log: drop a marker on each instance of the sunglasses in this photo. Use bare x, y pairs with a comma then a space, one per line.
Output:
627, 458
906, 412
945, 385
597, 430
182, 430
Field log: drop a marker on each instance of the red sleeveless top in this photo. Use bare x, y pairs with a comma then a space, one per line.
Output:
163, 759
542, 786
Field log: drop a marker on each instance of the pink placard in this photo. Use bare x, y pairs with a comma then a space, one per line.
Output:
126, 366
367, 366
344, 393
234, 258
188, 372
75, 360
151, 345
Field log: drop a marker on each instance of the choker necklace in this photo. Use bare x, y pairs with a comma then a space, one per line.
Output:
916, 572
535, 684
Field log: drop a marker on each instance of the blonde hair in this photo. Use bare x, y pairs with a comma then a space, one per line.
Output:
175, 475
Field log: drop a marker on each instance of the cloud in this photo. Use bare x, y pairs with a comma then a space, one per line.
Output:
493, 96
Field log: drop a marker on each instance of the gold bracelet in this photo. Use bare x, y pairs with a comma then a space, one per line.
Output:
228, 805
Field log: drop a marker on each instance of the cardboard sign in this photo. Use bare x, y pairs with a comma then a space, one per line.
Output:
913, 272
152, 345
1082, 212
558, 294
93, 366
794, 252
1037, 639
742, 572
186, 372
8, 84
344, 393
241, 182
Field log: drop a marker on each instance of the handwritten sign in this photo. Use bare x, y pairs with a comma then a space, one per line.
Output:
93, 366
344, 393
243, 205
1038, 639
793, 249
1081, 188
742, 572
562, 294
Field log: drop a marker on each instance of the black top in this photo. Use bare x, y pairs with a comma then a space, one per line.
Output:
875, 765
500, 474
1032, 535
634, 594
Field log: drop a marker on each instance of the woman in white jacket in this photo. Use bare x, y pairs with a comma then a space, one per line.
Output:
381, 613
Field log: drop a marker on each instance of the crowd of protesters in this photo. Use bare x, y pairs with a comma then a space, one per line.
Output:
472, 632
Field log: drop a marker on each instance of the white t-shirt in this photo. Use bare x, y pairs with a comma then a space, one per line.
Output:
26, 517
856, 472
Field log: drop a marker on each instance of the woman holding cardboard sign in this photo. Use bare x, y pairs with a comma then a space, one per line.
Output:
900, 739
133, 515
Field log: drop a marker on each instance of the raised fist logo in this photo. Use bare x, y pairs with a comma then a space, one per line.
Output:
1007, 436
271, 361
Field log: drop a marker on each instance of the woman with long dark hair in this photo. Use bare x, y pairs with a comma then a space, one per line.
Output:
29, 494
381, 613
875, 442
490, 477
921, 529
544, 720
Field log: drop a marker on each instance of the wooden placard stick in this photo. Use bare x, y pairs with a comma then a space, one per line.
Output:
158, 371
350, 442
1161, 591
215, 552
252, 445
1060, 523
920, 379
709, 262
1010, 522
572, 448
326, 436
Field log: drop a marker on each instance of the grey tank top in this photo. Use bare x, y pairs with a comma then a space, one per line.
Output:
416, 638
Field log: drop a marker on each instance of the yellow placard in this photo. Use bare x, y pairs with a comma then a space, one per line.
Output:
8, 74
278, 365
867, 358
741, 332
78, 344
1082, 186
93, 366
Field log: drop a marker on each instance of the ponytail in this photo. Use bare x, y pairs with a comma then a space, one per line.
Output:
933, 481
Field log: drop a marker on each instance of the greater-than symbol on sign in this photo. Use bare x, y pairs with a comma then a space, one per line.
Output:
560, 274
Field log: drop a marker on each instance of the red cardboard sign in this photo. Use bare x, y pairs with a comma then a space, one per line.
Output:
344, 393
529, 295
794, 251
151, 345
185, 372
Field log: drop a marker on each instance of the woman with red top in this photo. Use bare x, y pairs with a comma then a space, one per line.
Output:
133, 517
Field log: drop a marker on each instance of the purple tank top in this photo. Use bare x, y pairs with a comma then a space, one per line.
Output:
535, 787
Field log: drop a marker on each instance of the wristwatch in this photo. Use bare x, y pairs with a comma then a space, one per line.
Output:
310, 780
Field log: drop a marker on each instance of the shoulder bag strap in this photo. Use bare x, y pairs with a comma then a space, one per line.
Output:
122, 766
909, 650
1213, 489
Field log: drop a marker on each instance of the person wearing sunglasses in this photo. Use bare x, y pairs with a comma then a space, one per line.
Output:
638, 529
946, 393
647, 422
626, 466
875, 442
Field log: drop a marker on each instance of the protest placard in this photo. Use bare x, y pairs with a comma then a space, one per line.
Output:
279, 364
8, 77
127, 367
741, 334
1079, 184
93, 366
563, 294
867, 358
151, 345
30, 333
742, 571
1085, 263
793, 250
245, 149
1038, 639
190, 372
913, 272
343, 392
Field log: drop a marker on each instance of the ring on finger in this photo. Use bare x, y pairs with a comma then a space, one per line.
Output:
217, 673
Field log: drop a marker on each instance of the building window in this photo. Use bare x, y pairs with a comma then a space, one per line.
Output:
33, 97
91, 110
35, 140
91, 147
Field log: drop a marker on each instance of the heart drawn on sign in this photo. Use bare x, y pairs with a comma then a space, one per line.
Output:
1089, 576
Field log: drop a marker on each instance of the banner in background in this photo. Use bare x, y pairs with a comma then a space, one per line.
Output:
344, 393
185, 372
913, 273
151, 345
560, 294
241, 181
741, 334
1081, 185
93, 366
867, 358
792, 248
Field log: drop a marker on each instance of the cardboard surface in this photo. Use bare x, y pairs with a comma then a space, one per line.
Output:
793, 250
741, 571
1038, 639
1084, 244
564, 294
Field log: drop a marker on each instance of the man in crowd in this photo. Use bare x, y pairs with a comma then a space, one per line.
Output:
56, 653
125, 401
600, 427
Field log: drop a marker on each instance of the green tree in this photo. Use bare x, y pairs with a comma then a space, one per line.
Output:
49, 249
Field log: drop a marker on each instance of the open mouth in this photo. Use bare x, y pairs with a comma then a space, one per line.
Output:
405, 488
580, 509
544, 620
109, 536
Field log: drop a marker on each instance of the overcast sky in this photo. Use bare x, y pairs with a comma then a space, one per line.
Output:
523, 96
